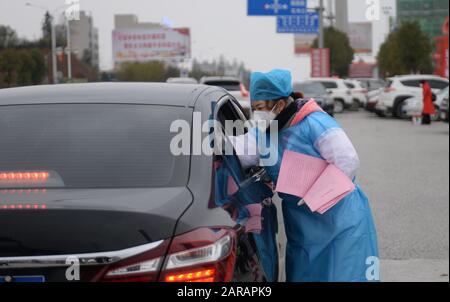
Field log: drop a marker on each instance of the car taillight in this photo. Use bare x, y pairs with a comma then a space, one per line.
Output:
32, 176
30, 180
244, 91
21, 206
202, 255
207, 275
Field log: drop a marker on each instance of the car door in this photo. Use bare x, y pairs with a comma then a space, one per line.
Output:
245, 187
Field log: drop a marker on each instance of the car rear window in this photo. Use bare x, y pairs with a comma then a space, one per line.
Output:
228, 85
94, 145
310, 88
330, 85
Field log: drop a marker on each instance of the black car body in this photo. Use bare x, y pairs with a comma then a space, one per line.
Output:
88, 184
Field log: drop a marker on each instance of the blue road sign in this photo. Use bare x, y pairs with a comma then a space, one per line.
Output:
276, 7
300, 24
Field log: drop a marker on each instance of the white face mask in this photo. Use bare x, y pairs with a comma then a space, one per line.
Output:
263, 118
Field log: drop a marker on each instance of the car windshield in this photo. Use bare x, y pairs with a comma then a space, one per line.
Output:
310, 88
228, 85
93, 145
376, 85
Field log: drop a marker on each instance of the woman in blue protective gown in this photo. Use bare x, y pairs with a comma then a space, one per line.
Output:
341, 244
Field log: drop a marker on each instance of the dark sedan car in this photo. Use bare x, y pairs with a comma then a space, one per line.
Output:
318, 92
90, 190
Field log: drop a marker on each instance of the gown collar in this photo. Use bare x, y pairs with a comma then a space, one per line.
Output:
305, 109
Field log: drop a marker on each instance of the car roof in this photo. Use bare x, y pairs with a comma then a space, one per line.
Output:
417, 77
306, 82
181, 80
182, 95
324, 79
219, 78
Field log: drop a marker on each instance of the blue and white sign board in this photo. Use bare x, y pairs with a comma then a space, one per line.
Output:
300, 24
276, 7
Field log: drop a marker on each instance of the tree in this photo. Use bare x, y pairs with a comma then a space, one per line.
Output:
47, 26
8, 37
197, 71
341, 53
153, 71
407, 50
171, 72
9, 61
38, 69
21, 67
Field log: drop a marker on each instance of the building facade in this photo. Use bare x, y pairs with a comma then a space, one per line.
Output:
429, 13
84, 39
341, 15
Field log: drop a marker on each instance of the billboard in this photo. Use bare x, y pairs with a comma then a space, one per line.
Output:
141, 45
302, 43
320, 62
360, 36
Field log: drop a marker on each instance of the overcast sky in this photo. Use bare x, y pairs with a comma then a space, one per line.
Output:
217, 27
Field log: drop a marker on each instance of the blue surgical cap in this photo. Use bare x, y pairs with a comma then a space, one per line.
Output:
273, 85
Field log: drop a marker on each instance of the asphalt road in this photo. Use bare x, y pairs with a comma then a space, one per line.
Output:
405, 173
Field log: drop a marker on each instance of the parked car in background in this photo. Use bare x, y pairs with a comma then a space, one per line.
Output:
339, 92
318, 92
415, 104
372, 99
234, 86
440, 97
400, 88
371, 84
373, 87
182, 80
103, 187
444, 109
359, 94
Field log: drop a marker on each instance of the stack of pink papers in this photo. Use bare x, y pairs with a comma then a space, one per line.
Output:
320, 184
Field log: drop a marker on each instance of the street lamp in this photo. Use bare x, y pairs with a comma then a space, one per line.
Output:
53, 42
320, 9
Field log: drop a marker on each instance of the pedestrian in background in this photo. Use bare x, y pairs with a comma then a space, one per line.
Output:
428, 106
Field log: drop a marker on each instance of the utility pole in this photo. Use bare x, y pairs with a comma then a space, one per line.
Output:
53, 37
69, 52
54, 62
321, 38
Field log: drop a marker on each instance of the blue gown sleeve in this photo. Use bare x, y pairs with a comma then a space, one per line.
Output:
332, 143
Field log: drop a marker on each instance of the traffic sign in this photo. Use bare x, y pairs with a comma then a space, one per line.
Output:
276, 7
300, 24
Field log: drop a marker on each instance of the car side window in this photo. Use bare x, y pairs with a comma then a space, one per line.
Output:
436, 84
411, 83
330, 85
349, 85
